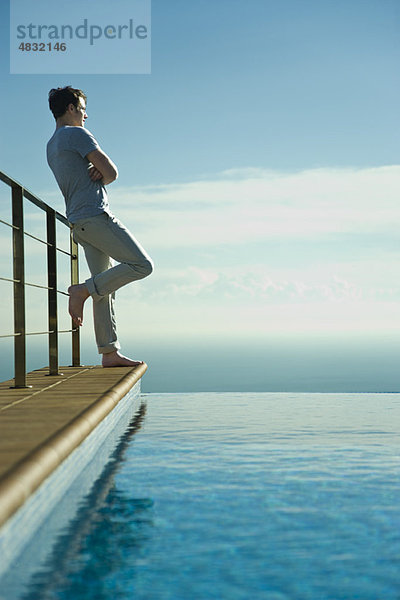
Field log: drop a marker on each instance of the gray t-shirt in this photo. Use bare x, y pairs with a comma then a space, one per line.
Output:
66, 155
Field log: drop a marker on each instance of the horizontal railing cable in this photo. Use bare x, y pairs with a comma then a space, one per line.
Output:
46, 243
8, 335
36, 285
44, 287
34, 237
9, 224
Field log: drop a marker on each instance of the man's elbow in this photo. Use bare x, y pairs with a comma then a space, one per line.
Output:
110, 176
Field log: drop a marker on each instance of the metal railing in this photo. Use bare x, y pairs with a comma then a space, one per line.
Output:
18, 193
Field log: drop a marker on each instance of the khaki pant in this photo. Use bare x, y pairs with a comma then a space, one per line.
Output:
104, 238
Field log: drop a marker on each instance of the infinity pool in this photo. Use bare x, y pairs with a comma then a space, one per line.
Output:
236, 496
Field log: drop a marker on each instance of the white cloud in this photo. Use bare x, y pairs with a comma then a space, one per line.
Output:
197, 287
241, 206
258, 286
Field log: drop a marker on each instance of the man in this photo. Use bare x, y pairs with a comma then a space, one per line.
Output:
82, 171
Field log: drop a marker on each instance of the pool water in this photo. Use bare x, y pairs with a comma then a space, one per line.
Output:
238, 497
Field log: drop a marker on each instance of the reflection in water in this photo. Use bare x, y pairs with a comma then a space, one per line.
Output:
101, 525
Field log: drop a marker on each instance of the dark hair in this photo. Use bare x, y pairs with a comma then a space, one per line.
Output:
61, 98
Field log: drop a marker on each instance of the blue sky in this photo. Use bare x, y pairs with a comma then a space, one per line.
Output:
258, 165
280, 85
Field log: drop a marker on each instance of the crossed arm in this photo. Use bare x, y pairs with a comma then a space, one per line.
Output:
102, 167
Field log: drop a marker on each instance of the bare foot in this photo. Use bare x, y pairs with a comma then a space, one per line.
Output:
77, 296
115, 359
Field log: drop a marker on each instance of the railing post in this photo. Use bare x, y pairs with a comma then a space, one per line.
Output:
19, 287
76, 356
52, 291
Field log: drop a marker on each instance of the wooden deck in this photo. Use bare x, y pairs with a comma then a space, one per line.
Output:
41, 425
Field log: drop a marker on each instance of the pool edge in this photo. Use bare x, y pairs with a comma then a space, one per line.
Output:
19, 483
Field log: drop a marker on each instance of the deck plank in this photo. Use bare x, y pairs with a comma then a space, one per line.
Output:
28, 417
